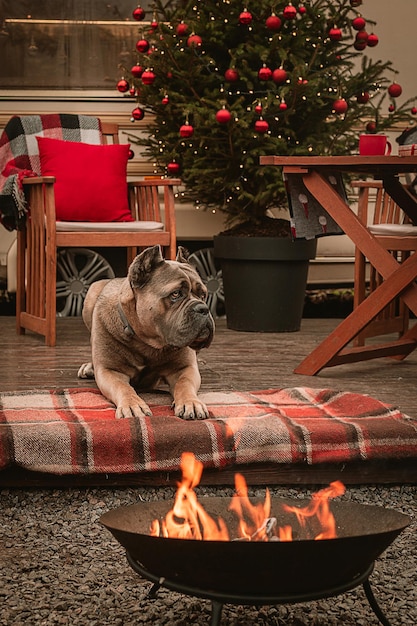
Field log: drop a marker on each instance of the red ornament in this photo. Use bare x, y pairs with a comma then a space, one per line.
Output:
142, 46
414, 111
186, 130
340, 106
360, 44
391, 108
138, 13
261, 126
301, 9
138, 113
265, 73
132, 91
123, 85
363, 97
173, 168
372, 40
289, 12
136, 71
258, 108
273, 22
223, 116
358, 23
335, 34
371, 127
283, 106
361, 36
130, 154
182, 29
194, 41
148, 77
279, 76
231, 75
165, 100
395, 90
245, 17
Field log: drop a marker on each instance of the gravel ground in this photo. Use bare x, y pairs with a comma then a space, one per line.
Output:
60, 566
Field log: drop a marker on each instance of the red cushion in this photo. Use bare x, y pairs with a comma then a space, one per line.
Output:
90, 182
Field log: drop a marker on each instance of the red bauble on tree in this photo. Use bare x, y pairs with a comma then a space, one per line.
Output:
182, 29
194, 41
363, 97
231, 75
372, 40
258, 108
358, 23
138, 113
136, 71
335, 34
223, 116
142, 46
148, 77
123, 85
186, 130
302, 10
261, 126
279, 76
165, 100
273, 22
138, 13
265, 73
289, 12
371, 127
283, 106
340, 106
245, 17
395, 90
414, 111
173, 168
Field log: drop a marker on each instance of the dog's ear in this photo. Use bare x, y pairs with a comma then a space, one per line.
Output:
182, 255
143, 265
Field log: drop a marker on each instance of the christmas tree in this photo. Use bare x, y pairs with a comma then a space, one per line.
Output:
224, 83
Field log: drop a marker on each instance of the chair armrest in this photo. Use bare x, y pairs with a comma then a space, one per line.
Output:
155, 182
36, 180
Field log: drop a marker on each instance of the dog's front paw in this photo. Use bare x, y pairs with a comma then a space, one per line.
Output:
192, 410
86, 371
132, 407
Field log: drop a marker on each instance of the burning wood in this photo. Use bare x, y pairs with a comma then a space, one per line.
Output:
188, 519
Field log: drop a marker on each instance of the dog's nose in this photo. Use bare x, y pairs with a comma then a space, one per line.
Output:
201, 309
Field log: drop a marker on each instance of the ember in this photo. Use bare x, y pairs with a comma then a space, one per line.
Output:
188, 519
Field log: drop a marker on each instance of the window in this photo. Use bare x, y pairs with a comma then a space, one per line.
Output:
67, 44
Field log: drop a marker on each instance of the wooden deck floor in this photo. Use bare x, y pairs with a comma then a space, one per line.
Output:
235, 361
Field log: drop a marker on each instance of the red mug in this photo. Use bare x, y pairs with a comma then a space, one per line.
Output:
374, 145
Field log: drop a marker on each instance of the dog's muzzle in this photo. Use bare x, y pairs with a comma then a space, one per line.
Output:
205, 323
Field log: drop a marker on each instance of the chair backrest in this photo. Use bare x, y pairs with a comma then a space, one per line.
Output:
110, 133
375, 206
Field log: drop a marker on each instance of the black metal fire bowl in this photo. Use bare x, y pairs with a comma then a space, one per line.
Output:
302, 566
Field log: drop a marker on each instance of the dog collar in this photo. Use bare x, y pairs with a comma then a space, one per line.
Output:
127, 329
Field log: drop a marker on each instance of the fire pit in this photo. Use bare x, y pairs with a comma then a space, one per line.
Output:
297, 565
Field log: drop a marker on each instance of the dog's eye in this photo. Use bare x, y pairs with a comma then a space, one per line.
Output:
176, 295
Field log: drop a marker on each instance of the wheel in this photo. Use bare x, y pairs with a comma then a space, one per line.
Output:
204, 262
76, 269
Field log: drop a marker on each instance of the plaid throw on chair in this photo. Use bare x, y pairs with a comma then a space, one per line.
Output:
19, 155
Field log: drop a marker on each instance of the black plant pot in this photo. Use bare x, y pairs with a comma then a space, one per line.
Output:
264, 281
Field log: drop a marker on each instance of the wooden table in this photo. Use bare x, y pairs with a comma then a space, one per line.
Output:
399, 280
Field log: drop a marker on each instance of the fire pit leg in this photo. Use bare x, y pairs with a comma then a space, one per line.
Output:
216, 613
374, 604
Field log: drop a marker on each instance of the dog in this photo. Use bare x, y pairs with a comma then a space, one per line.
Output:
148, 327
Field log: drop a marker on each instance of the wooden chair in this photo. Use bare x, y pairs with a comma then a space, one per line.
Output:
38, 242
391, 227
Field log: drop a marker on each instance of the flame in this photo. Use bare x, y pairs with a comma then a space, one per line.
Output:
189, 520
319, 507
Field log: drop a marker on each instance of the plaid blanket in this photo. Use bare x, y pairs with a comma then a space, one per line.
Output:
70, 431
19, 155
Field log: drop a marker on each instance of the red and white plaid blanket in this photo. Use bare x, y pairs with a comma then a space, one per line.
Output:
19, 154
72, 431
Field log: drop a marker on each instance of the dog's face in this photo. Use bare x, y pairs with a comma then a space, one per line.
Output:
170, 300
